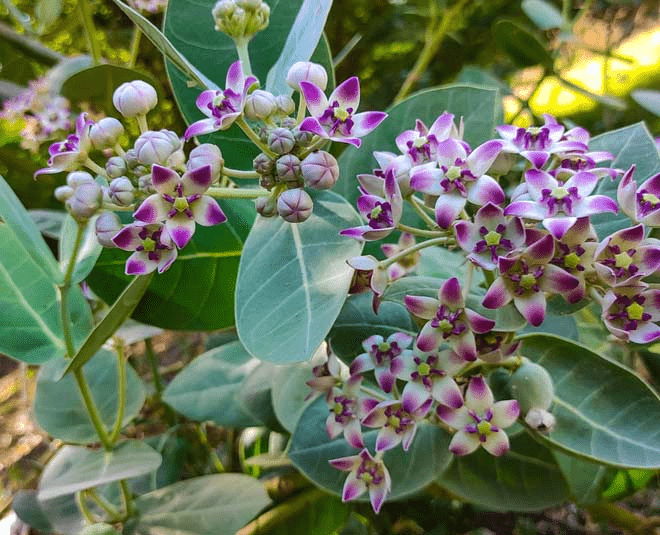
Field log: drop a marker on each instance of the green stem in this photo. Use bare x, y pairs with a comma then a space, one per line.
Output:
317, 144
121, 396
236, 193
419, 232
302, 108
87, 514
64, 288
247, 130
113, 514
430, 49
142, 123
204, 440
90, 30
93, 166
417, 206
153, 362
423, 245
243, 55
93, 412
237, 173
126, 498
135, 46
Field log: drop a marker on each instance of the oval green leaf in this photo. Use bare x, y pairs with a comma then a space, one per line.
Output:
604, 412
310, 450
75, 468
523, 46
207, 388
58, 407
543, 14
197, 292
648, 99
88, 252
293, 280
206, 505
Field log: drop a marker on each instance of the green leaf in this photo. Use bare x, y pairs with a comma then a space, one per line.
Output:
629, 145
627, 482
357, 322
161, 42
49, 222
480, 108
58, 407
75, 468
475, 75
322, 516
304, 35
289, 393
96, 85
63, 514
442, 263
47, 12
88, 252
120, 310
604, 412
255, 394
190, 27
28, 510
206, 505
543, 14
525, 479
293, 279
30, 328
24, 231
523, 46
310, 450
565, 326
206, 389
197, 292
648, 99
586, 480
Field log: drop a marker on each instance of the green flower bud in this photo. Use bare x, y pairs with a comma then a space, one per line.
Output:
121, 191
285, 105
241, 19
532, 386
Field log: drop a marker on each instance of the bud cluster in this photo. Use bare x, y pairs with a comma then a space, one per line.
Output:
241, 19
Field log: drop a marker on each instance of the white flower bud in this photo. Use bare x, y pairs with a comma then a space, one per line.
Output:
115, 167
241, 19
134, 98
156, 147
85, 201
145, 184
263, 164
62, 193
266, 206
320, 170
541, 420
106, 133
285, 105
532, 386
306, 71
259, 105
295, 205
77, 178
121, 191
281, 140
287, 168
107, 226
206, 154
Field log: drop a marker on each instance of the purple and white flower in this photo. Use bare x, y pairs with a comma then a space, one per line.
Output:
153, 248
449, 320
385, 357
180, 202
334, 117
366, 474
480, 421
459, 178
641, 204
397, 424
222, 107
632, 312
403, 265
559, 205
69, 154
347, 409
421, 144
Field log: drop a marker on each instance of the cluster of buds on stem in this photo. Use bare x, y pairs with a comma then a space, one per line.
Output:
241, 19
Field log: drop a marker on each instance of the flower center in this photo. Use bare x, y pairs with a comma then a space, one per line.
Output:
394, 421
527, 281
635, 311
650, 198
623, 260
218, 100
572, 261
367, 478
445, 325
341, 113
559, 193
149, 245
453, 173
424, 369
383, 347
484, 428
181, 204
492, 238
420, 142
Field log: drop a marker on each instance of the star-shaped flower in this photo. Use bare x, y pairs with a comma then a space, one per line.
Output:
384, 357
67, 155
397, 424
152, 245
632, 312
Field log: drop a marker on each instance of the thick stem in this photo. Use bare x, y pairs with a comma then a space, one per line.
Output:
142, 123
418, 246
204, 441
243, 55
93, 412
237, 173
90, 30
247, 130
419, 232
302, 108
113, 514
236, 193
121, 391
126, 498
93, 166
87, 514
135, 46
153, 363
431, 48
64, 288
418, 207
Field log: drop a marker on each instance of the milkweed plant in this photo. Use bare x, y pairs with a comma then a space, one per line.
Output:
452, 302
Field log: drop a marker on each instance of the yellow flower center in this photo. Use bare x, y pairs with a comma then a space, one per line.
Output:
218, 99
420, 142
394, 422
527, 281
181, 204
572, 261
623, 260
445, 326
375, 213
635, 311
341, 114
149, 245
383, 346
492, 238
559, 193
338, 408
484, 428
650, 198
366, 477
453, 172
423, 369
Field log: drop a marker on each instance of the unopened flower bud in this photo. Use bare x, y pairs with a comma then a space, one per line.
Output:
266, 206
206, 154
134, 98
131, 158
285, 105
85, 201
303, 138
121, 191
306, 71
259, 105
106, 133
532, 386
541, 420
267, 182
262, 164
156, 147
281, 140
145, 184
295, 205
116, 166
320, 170
78, 178
62, 193
287, 168
241, 18
107, 226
